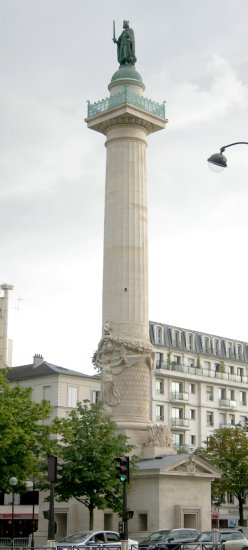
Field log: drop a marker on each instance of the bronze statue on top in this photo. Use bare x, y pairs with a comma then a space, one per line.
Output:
125, 45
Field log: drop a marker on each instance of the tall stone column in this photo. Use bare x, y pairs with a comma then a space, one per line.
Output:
4, 310
125, 355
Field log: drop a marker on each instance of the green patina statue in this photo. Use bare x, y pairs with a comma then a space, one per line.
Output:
125, 45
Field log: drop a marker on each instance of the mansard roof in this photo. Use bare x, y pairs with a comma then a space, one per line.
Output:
167, 340
43, 369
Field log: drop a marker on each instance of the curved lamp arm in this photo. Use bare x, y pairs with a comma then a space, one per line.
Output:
218, 160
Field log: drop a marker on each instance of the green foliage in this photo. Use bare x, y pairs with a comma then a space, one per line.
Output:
89, 446
227, 449
24, 438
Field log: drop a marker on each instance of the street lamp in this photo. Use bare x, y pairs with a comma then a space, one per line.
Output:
218, 161
33, 510
13, 482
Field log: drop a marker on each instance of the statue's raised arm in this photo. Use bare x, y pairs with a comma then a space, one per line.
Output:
125, 45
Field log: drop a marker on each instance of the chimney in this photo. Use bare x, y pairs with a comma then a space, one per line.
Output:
37, 360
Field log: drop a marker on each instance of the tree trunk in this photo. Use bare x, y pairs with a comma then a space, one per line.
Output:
91, 517
241, 510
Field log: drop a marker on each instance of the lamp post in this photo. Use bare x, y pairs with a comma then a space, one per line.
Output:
218, 161
13, 482
33, 510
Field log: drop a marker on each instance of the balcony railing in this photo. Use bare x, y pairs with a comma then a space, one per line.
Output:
126, 96
201, 371
179, 422
226, 425
179, 396
227, 403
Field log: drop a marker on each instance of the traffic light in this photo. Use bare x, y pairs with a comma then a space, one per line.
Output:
122, 468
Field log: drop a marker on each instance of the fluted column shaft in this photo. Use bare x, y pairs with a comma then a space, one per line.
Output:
125, 271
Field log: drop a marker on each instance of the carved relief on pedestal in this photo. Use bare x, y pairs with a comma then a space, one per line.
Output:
159, 436
125, 366
188, 467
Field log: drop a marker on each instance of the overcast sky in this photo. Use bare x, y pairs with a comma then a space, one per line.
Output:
54, 56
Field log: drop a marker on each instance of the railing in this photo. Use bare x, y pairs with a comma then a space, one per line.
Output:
126, 96
24, 543
227, 403
180, 422
201, 371
179, 396
16, 543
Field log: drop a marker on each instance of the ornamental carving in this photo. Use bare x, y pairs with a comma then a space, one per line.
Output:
114, 355
159, 436
188, 467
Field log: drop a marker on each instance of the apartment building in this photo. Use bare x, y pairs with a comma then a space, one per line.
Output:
200, 384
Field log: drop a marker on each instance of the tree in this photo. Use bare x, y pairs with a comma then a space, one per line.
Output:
88, 451
227, 449
24, 439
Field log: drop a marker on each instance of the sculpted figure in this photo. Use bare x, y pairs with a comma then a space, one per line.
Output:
126, 46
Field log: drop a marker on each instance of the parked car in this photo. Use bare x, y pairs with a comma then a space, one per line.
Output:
237, 542
91, 538
206, 539
168, 538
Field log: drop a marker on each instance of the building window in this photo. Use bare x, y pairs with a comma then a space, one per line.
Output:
191, 362
96, 396
205, 344
216, 346
210, 418
231, 395
240, 372
176, 338
210, 393
192, 414
108, 522
189, 341
222, 393
72, 396
159, 386
232, 419
242, 397
47, 393
239, 351
229, 349
159, 412
159, 360
177, 414
192, 439
207, 365
222, 418
229, 498
177, 387
142, 522
178, 439
231, 370
158, 335
177, 360
191, 388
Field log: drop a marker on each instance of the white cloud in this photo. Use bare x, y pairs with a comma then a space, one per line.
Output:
191, 104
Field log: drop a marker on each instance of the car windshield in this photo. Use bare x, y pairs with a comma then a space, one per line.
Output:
159, 535
76, 537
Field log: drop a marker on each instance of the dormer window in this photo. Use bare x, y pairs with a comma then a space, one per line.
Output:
189, 341
205, 344
158, 335
176, 338
229, 349
216, 346
239, 351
